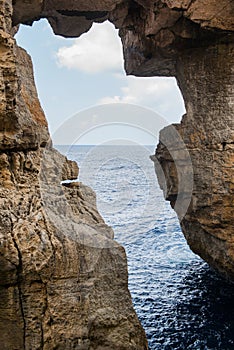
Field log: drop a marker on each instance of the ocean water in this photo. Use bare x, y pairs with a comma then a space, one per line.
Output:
181, 303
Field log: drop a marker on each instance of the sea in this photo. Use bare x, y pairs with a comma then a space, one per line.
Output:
181, 302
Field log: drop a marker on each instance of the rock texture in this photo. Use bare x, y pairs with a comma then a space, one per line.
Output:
22, 121
153, 32
192, 40
63, 279
206, 78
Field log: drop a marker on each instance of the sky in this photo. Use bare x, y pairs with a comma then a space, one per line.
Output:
75, 77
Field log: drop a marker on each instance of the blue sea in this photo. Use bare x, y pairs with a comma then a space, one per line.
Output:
181, 303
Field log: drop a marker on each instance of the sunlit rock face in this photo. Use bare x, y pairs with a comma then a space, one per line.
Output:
22, 121
193, 41
153, 32
205, 76
63, 280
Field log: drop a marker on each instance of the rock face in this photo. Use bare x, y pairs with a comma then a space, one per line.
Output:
22, 121
207, 130
63, 280
193, 41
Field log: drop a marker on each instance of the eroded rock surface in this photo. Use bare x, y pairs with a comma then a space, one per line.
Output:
153, 32
192, 40
63, 279
22, 121
206, 78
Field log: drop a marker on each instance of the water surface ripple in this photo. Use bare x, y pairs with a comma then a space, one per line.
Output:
180, 301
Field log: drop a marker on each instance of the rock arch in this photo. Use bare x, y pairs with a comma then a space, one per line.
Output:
193, 41
45, 276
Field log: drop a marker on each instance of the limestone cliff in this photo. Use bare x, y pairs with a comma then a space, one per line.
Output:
49, 272
193, 41
63, 279
206, 78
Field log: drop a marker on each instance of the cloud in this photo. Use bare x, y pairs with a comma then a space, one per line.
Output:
97, 51
100, 51
160, 94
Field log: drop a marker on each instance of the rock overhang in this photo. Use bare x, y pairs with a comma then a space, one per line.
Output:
153, 33
193, 41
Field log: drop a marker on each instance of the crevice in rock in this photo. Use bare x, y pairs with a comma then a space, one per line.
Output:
12, 170
50, 239
19, 283
43, 316
224, 144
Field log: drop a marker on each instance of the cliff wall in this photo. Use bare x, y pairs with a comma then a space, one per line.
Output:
66, 287
193, 41
63, 279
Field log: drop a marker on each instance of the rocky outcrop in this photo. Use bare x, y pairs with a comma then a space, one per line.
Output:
192, 40
206, 78
22, 121
63, 279
153, 32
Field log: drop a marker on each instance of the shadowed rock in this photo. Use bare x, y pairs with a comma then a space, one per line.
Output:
63, 280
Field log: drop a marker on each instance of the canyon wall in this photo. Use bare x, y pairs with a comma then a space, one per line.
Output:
63, 279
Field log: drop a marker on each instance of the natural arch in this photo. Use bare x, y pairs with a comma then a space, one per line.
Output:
45, 275
193, 41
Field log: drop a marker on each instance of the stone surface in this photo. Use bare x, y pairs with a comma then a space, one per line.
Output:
206, 79
153, 32
63, 279
22, 121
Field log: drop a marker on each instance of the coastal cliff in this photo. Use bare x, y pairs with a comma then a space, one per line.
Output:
63, 279
193, 41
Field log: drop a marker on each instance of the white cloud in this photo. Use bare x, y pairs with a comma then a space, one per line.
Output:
109, 99
160, 94
100, 50
97, 51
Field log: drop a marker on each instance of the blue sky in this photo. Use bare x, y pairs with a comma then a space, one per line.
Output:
73, 75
